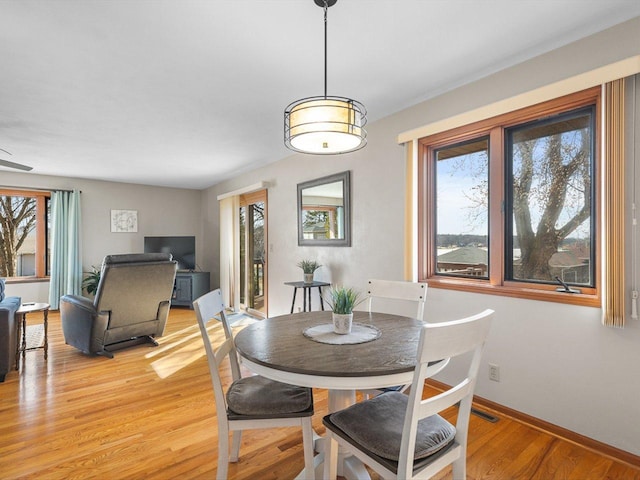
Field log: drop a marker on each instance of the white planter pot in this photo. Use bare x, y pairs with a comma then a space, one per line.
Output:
342, 322
308, 278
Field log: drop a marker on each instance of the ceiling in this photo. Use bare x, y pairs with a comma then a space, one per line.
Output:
187, 93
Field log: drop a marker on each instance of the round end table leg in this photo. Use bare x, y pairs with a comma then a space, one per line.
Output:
24, 335
46, 334
18, 349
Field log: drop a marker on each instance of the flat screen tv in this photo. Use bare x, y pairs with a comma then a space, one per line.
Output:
183, 249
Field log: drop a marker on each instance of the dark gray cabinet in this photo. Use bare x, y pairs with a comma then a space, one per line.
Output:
188, 287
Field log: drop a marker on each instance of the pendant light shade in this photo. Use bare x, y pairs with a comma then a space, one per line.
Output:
325, 125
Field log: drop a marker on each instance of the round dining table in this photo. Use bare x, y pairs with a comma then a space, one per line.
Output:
380, 352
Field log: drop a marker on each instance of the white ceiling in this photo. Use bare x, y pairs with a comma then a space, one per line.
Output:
187, 93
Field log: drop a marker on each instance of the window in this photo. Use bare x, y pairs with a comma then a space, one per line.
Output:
549, 200
461, 203
508, 205
24, 232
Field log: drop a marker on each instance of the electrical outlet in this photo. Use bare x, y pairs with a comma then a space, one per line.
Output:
494, 372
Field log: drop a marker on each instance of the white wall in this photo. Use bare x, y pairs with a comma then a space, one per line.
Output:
161, 211
377, 218
557, 362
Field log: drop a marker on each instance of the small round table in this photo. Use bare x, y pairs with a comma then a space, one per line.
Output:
25, 308
306, 293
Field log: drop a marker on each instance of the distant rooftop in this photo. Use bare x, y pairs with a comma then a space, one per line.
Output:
470, 255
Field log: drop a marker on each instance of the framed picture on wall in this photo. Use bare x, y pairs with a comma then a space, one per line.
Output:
124, 221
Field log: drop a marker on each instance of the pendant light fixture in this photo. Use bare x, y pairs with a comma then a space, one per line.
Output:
325, 125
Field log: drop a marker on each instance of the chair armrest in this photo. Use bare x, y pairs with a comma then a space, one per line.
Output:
81, 303
82, 326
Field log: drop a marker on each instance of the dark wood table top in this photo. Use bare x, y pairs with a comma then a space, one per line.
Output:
278, 343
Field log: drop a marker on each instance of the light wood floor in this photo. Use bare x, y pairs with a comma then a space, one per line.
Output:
148, 413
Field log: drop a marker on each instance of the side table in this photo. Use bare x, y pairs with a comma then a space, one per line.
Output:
306, 293
22, 325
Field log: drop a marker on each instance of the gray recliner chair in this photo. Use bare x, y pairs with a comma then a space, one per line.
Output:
130, 307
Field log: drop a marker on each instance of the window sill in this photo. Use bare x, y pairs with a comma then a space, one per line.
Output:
546, 293
9, 280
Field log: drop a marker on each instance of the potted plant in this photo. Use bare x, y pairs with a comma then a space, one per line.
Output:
342, 300
91, 281
308, 268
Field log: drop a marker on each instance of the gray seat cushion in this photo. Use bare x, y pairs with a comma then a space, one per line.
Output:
377, 425
259, 396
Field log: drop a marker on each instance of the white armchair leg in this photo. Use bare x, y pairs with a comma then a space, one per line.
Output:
223, 457
236, 437
330, 457
460, 469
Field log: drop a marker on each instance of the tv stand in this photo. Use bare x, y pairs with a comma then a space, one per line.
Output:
189, 286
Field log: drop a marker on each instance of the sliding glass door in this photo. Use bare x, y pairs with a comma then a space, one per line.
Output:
253, 252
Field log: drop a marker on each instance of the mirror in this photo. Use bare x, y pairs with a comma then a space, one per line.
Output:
324, 211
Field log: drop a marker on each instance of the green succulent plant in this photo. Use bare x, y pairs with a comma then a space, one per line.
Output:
309, 266
342, 300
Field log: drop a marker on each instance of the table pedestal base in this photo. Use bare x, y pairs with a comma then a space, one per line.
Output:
349, 466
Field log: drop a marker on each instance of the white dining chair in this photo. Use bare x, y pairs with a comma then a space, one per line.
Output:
403, 436
249, 402
399, 298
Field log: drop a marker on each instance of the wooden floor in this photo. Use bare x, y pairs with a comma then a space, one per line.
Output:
148, 413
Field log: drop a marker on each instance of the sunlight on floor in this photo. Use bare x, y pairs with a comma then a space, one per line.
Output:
181, 348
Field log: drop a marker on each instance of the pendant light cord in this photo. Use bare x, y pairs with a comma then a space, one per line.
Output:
634, 222
326, 6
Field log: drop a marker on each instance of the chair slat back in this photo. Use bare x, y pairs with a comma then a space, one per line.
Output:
209, 308
453, 338
439, 341
401, 298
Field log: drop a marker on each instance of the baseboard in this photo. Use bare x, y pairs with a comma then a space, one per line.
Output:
552, 429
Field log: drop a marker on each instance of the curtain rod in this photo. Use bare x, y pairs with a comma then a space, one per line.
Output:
34, 189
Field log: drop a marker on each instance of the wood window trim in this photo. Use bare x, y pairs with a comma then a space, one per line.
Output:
494, 128
41, 232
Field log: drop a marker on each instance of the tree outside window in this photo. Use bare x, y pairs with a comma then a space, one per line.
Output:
549, 195
23, 238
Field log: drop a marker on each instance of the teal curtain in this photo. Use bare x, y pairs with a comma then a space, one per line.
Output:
66, 257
